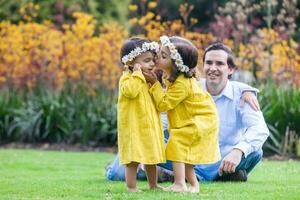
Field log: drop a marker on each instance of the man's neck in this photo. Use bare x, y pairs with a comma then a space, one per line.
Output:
215, 90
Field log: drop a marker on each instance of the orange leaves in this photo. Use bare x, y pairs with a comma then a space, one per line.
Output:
32, 53
270, 53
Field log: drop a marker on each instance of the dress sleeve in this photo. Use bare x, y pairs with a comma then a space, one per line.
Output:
131, 84
168, 100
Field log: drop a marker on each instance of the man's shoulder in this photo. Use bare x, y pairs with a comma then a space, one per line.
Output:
237, 86
242, 87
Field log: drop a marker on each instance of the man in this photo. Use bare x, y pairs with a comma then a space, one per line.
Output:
242, 129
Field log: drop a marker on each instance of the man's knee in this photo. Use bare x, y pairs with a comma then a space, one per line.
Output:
114, 175
115, 172
257, 155
251, 161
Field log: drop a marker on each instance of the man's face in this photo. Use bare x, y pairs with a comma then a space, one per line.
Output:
216, 68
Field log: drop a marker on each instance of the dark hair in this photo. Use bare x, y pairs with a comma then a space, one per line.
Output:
130, 44
221, 46
189, 55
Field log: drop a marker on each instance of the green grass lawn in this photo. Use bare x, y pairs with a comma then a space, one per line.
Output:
33, 174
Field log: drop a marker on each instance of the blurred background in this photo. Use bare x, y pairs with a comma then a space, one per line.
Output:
59, 62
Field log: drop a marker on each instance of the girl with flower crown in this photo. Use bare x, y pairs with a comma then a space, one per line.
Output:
192, 114
140, 134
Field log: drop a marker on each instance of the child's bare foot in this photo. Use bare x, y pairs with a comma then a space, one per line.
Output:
133, 190
157, 187
176, 188
194, 189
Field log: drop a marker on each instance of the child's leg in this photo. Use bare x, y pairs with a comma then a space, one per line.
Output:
151, 172
191, 178
130, 176
179, 178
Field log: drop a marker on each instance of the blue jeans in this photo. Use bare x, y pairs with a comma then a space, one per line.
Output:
116, 172
209, 172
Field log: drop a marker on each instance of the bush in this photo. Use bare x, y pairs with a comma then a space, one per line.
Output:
281, 108
8, 102
60, 12
66, 116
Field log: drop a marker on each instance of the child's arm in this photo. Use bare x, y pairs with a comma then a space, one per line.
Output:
165, 101
131, 84
249, 95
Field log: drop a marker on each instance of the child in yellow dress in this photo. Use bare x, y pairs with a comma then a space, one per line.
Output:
192, 113
140, 134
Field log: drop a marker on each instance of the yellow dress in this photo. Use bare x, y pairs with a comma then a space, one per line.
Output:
193, 121
140, 134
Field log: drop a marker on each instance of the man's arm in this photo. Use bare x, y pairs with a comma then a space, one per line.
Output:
255, 135
256, 131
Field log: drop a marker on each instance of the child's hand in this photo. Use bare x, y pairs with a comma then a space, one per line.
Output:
126, 67
150, 77
137, 67
250, 98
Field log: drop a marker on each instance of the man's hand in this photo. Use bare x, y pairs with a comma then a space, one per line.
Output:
250, 98
230, 162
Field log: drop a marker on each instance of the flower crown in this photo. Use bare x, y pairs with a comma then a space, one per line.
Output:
147, 46
165, 41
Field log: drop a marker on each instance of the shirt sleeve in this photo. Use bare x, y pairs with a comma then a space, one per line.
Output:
256, 130
131, 84
165, 101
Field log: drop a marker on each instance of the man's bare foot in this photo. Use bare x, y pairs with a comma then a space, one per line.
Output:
176, 188
194, 189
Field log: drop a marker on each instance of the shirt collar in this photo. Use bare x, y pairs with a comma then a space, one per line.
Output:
227, 91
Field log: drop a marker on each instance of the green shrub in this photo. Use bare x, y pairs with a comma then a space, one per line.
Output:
281, 108
8, 102
42, 119
68, 116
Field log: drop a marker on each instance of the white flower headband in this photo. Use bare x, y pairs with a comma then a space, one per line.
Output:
165, 41
138, 51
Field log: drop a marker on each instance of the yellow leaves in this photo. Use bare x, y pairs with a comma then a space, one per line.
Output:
73, 74
142, 21
77, 55
29, 11
2, 80
269, 51
132, 8
194, 21
84, 26
152, 5
146, 14
133, 21
149, 15
30, 50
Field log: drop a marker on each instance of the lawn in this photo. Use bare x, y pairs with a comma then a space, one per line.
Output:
35, 174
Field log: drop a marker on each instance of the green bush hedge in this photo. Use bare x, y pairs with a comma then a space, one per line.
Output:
55, 117
71, 117
281, 108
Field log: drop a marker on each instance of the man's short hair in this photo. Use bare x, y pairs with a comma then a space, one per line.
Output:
221, 46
